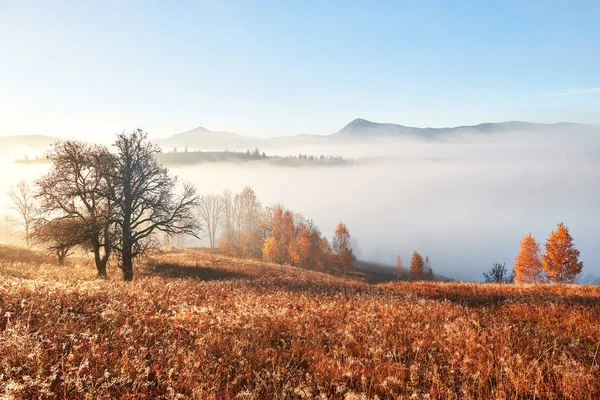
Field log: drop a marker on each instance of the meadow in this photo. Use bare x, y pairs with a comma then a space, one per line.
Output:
196, 324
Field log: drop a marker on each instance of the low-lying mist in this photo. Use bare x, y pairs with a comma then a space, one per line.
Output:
465, 202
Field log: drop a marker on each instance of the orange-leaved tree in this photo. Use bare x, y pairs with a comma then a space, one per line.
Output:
417, 266
342, 248
528, 264
304, 251
270, 249
561, 260
326, 258
282, 234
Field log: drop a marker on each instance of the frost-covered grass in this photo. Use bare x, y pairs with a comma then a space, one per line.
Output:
200, 325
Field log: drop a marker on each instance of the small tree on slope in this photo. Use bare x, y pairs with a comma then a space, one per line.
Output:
561, 261
497, 274
417, 266
342, 248
528, 264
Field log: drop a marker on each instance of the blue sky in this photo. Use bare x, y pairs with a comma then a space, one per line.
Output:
266, 68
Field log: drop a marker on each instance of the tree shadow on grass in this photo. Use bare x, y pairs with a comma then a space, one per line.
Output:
200, 272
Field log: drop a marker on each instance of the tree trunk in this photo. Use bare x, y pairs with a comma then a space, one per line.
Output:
100, 263
127, 255
127, 266
61, 257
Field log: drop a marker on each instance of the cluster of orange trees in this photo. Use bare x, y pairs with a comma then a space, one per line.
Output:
560, 263
420, 269
279, 235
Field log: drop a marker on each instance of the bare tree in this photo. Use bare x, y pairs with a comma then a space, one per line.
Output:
211, 210
399, 268
145, 199
7, 224
22, 202
243, 234
77, 189
60, 235
250, 210
427, 270
227, 210
498, 274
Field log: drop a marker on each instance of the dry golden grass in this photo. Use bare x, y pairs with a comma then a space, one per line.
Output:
198, 325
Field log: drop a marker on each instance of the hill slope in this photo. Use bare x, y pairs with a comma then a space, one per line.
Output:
199, 325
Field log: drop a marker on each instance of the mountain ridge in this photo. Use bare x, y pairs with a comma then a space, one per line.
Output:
359, 129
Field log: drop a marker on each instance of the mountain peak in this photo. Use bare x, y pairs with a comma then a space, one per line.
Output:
357, 125
199, 129
360, 121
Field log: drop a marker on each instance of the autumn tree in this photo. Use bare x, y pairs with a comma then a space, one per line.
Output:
497, 274
427, 270
22, 202
270, 249
282, 234
326, 258
342, 248
417, 266
147, 200
528, 264
399, 268
561, 261
211, 210
78, 189
305, 250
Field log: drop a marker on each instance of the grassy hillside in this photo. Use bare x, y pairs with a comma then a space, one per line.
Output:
199, 325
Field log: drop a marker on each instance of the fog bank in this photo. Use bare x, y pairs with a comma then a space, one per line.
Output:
464, 202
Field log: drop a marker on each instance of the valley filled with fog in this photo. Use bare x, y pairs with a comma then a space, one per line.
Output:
464, 202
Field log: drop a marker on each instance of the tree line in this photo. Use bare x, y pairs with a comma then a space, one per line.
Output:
273, 233
419, 269
558, 264
119, 203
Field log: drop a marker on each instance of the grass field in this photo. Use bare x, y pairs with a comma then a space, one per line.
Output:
199, 325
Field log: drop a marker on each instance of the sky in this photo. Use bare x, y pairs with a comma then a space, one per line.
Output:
88, 69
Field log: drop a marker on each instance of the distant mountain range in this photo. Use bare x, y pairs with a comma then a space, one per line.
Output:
359, 130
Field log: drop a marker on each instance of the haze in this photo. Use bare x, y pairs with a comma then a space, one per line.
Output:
464, 202
280, 69
465, 205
